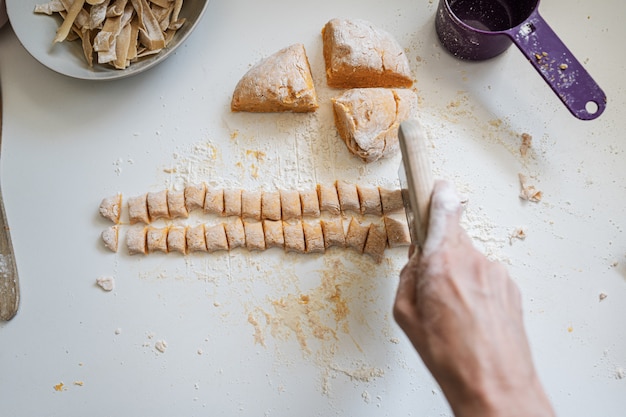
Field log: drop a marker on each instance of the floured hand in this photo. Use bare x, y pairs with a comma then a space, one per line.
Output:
463, 314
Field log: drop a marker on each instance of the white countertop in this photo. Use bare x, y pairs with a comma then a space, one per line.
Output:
66, 144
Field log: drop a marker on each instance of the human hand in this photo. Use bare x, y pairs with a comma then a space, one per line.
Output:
463, 314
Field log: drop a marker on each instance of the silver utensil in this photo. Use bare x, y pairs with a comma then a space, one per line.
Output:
9, 283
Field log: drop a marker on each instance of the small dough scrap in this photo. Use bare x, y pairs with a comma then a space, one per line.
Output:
273, 231
294, 237
270, 205
136, 240
357, 235
232, 202
196, 241
194, 196
236, 234
348, 197
280, 82
176, 204
376, 242
328, 198
391, 200
111, 208
216, 239
333, 232
177, 239
313, 237
398, 234
251, 205
138, 209
106, 283
290, 203
157, 239
255, 238
369, 197
310, 203
214, 201
157, 205
110, 237
358, 54
367, 119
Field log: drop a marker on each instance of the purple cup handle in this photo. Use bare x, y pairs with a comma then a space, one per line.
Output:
558, 67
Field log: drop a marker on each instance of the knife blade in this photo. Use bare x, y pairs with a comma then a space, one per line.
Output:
9, 282
416, 179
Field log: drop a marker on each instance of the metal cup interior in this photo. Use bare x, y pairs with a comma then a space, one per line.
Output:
475, 29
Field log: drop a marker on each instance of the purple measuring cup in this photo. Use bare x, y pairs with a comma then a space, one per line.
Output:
482, 29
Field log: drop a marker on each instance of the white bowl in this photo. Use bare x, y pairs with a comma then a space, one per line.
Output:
36, 32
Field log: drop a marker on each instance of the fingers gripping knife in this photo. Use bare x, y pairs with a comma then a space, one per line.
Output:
416, 180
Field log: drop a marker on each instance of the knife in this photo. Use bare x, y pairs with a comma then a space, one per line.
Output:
9, 283
416, 179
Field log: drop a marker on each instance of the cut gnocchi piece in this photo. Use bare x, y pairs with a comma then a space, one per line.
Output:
397, 232
313, 237
376, 242
138, 209
270, 205
290, 203
333, 232
357, 235
214, 201
196, 242
273, 231
110, 237
236, 234
194, 196
294, 237
177, 239
232, 202
369, 198
391, 200
136, 240
310, 203
216, 239
255, 238
176, 204
348, 196
328, 198
111, 208
157, 205
251, 205
156, 239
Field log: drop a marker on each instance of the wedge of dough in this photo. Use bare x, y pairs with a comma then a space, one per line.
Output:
367, 120
279, 83
358, 54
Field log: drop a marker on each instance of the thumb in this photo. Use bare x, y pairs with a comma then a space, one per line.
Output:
444, 217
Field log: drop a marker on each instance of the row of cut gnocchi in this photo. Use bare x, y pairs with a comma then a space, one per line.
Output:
293, 236
256, 205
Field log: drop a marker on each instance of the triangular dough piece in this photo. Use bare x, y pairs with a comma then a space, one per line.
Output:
367, 119
280, 82
357, 54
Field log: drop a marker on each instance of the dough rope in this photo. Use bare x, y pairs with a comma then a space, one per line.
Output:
340, 198
300, 236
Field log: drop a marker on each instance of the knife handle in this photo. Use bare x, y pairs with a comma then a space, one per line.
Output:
9, 283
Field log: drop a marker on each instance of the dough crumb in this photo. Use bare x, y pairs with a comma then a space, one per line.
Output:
79, 383
106, 283
529, 192
526, 144
59, 387
519, 234
620, 373
161, 346
602, 296
118, 331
